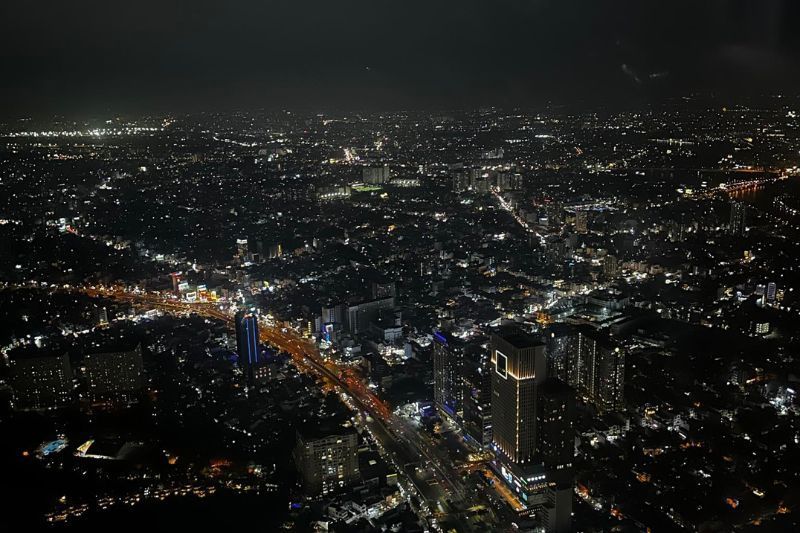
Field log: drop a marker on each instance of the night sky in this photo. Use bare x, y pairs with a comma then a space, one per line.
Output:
98, 56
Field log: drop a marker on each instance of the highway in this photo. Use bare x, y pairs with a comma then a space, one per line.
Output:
443, 491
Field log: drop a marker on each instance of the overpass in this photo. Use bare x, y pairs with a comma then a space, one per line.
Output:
393, 432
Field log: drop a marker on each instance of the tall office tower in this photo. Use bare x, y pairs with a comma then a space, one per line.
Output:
532, 428
114, 376
581, 221
738, 218
520, 364
610, 266
448, 364
41, 382
478, 397
596, 370
247, 341
327, 458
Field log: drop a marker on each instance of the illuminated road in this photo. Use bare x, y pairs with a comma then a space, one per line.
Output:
303, 353
444, 491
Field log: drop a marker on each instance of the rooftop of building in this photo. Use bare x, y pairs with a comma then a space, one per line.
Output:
518, 338
316, 429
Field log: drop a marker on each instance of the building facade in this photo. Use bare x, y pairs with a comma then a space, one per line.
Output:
477, 398
327, 460
519, 364
247, 346
737, 224
114, 376
596, 370
448, 384
532, 429
41, 382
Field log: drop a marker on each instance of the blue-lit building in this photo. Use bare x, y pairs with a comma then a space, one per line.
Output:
448, 383
247, 342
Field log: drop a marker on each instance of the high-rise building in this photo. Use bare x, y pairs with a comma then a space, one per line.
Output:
448, 384
610, 266
360, 316
561, 342
738, 218
102, 316
556, 450
610, 376
477, 397
532, 420
376, 175
242, 251
555, 447
596, 369
520, 364
114, 376
334, 314
247, 341
772, 291
327, 458
581, 221
41, 381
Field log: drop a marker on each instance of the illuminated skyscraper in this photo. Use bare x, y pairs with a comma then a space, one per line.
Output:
561, 341
520, 364
448, 364
247, 341
532, 421
477, 400
738, 218
596, 369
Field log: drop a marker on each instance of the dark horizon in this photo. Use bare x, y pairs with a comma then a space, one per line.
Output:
187, 57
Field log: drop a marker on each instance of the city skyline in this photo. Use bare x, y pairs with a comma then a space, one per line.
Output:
355, 267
